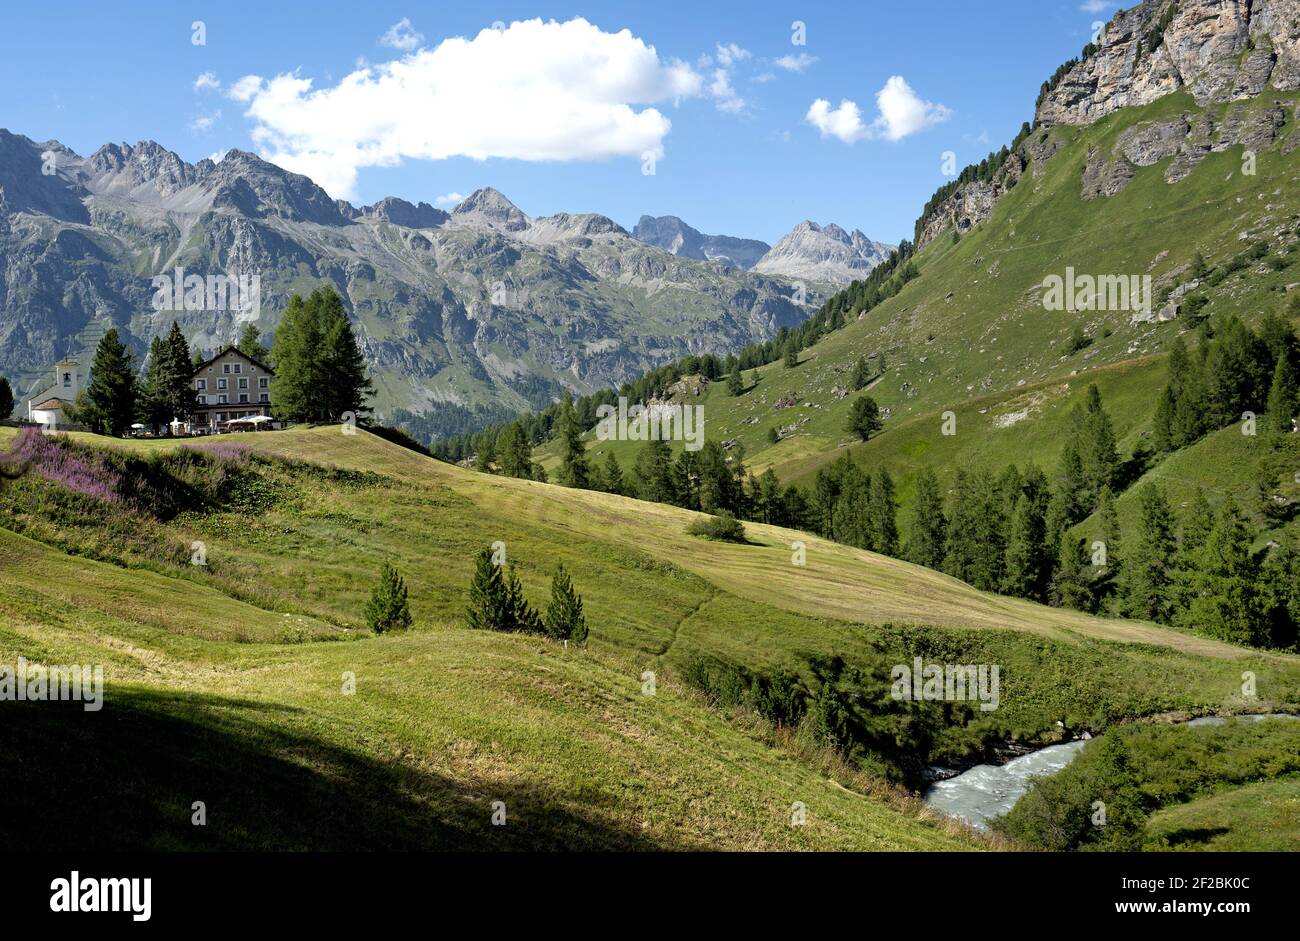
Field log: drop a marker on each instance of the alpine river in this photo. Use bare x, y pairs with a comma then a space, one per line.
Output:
987, 791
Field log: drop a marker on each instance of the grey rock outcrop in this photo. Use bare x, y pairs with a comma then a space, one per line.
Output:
1189, 139
1219, 50
488, 207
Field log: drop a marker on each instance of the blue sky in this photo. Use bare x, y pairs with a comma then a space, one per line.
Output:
562, 113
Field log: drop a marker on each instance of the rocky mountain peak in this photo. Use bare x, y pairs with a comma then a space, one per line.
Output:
248, 184
25, 188
823, 253
673, 235
118, 168
566, 226
487, 205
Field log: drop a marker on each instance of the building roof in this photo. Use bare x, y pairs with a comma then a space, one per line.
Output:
238, 352
51, 403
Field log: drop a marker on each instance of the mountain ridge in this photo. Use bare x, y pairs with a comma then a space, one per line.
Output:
481, 310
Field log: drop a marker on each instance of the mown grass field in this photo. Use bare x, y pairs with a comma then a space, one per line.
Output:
225, 681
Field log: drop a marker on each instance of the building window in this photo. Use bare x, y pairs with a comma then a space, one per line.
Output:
263, 383
243, 382
239, 367
225, 368
243, 398
67, 378
264, 398
221, 400
221, 383
203, 400
202, 385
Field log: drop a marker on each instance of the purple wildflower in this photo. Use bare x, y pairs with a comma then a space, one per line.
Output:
52, 458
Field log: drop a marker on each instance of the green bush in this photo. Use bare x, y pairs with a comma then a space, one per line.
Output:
724, 527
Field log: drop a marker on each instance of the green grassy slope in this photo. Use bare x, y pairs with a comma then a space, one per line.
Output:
971, 336
233, 671
1260, 817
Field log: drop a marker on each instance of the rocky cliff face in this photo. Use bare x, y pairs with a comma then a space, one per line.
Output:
471, 314
823, 254
1219, 50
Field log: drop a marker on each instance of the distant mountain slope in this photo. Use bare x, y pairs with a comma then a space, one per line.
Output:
815, 253
809, 253
1140, 192
673, 235
971, 336
464, 315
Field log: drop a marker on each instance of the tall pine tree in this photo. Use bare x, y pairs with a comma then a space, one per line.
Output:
884, 514
1147, 585
1283, 397
516, 455
1226, 597
489, 603
108, 403
927, 528
574, 471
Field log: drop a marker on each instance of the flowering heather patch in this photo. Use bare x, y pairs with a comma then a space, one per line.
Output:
224, 451
58, 462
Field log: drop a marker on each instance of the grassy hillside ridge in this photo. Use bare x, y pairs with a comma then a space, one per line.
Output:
607, 537
208, 700
188, 633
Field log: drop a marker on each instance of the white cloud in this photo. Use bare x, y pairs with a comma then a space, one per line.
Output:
218, 155
449, 199
901, 113
729, 54
245, 88
534, 91
402, 35
206, 81
724, 94
1097, 6
795, 63
844, 122
204, 122
720, 88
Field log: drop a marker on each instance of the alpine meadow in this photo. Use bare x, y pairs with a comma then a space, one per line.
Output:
950, 504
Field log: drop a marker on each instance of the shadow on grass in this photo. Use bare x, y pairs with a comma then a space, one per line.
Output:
125, 778
1192, 836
